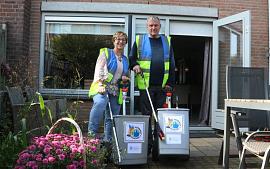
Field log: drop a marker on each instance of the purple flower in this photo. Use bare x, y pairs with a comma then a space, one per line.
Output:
45, 161
61, 157
32, 147
60, 150
74, 150
81, 149
72, 166
31, 164
51, 159
94, 148
47, 150
94, 161
75, 163
81, 163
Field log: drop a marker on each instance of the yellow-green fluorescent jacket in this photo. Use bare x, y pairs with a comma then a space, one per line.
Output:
111, 66
145, 55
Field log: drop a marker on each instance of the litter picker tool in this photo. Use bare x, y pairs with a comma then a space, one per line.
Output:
159, 130
124, 90
114, 131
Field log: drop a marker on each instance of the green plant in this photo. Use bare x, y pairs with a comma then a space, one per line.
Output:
11, 145
44, 109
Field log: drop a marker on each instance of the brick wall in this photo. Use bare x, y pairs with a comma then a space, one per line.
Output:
16, 13
259, 21
23, 18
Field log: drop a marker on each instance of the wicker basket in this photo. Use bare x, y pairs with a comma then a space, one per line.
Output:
77, 128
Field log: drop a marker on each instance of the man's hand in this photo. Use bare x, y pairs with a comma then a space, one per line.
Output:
168, 88
137, 69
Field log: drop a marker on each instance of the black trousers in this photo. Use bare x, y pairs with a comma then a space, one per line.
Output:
158, 97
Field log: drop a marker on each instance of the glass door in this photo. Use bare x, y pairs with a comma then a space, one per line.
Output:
231, 46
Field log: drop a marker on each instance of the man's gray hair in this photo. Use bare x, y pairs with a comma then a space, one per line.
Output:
154, 18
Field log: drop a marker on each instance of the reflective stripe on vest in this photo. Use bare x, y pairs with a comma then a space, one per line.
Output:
144, 59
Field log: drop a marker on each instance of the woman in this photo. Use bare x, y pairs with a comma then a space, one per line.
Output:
111, 67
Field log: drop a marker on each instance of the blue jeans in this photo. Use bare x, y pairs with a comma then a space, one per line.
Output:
99, 110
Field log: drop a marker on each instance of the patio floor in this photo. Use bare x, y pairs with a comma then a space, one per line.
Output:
204, 153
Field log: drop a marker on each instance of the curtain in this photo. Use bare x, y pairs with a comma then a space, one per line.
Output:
206, 88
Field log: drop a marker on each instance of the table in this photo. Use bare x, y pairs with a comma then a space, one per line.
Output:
238, 103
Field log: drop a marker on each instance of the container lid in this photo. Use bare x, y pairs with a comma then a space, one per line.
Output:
172, 109
131, 116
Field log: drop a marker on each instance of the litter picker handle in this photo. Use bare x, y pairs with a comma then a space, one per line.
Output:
159, 130
176, 101
153, 110
149, 98
114, 131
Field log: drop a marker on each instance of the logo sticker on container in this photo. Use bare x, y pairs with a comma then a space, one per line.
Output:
173, 123
134, 131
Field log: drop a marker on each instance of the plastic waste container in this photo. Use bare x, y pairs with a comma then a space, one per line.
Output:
175, 124
132, 135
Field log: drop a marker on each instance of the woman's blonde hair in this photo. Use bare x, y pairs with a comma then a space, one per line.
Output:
119, 34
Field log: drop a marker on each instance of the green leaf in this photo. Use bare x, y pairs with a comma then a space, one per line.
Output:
41, 104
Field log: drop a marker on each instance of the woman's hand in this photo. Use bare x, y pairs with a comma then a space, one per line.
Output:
125, 78
101, 89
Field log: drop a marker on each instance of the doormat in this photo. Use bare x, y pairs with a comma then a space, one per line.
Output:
204, 135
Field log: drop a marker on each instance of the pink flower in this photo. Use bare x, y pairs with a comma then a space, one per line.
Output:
58, 151
45, 161
75, 163
72, 156
94, 148
94, 162
63, 142
61, 157
81, 163
81, 149
72, 166
31, 164
32, 147
51, 159
47, 150
38, 159
74, 150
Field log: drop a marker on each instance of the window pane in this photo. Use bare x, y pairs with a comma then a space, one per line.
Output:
230, 53
71, 51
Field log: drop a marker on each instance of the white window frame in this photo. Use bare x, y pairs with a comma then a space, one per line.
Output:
217, 115
72, 17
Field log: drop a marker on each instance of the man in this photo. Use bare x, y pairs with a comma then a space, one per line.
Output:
152, 56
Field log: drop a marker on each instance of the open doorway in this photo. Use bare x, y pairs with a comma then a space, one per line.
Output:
189, 57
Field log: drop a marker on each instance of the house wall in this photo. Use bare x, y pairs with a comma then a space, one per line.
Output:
23, 18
